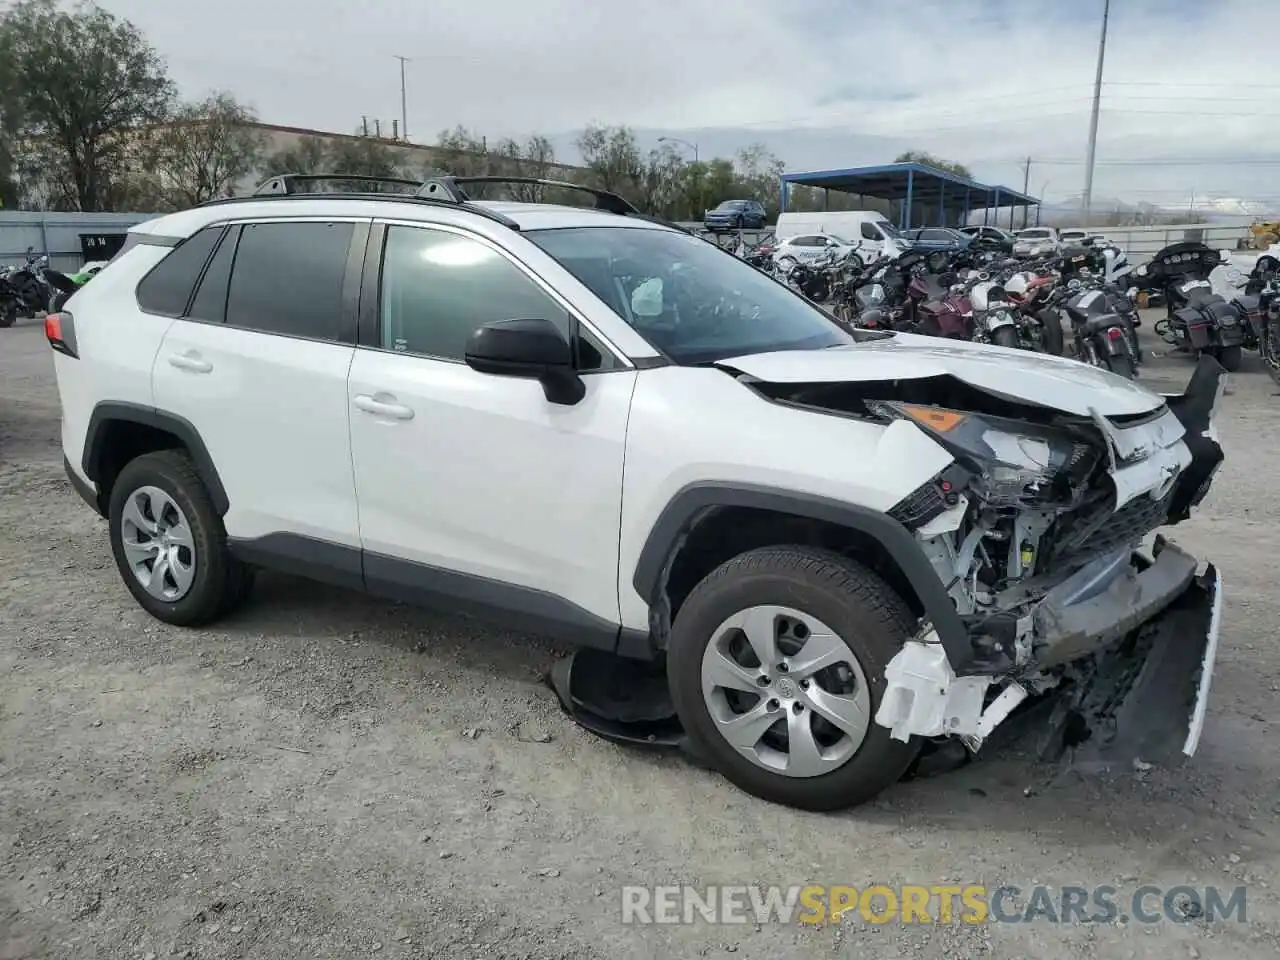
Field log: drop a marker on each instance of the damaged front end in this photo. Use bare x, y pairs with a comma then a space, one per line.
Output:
1037, 531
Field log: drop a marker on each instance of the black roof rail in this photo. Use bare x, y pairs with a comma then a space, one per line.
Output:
388, 197
452, 188
294, 183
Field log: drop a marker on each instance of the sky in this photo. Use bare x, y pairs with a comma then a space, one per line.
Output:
1190, 101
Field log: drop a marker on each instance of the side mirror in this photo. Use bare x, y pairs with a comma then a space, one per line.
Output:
532, 349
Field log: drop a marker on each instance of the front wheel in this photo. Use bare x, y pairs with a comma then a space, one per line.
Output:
8, 314
1006, 336
1052, 338
776, 666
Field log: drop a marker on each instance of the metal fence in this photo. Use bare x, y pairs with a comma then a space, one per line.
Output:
63, 236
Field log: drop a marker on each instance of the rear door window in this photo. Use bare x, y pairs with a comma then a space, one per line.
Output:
287, 279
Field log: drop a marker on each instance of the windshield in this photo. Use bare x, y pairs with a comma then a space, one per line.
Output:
1034, 235
889, 230
732, 205
691, 300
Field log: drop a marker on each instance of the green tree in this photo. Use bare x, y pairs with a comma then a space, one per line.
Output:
86, 82
612, 159
364, 157
929, 160
10, 125
205, 150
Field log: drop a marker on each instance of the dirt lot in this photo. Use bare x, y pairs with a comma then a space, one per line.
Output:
328, 775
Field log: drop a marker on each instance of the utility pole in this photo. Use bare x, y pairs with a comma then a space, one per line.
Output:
1026, 185
404, 110
1086, 198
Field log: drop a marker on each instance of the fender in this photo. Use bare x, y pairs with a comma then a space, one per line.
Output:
688, 506
105, 413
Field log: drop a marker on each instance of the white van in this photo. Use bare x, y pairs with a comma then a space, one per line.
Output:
870, 232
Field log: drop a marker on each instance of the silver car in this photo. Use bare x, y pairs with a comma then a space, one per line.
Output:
1036, 242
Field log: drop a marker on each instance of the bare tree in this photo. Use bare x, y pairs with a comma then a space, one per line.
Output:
309, 155
533, 158
612, 158
205, 150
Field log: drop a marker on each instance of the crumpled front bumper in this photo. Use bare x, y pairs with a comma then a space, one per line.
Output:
1140, 689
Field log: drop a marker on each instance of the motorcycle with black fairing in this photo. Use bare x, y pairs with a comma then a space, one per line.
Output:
1199, 320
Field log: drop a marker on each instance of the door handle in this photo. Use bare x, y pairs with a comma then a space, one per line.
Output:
382, 408
191, 362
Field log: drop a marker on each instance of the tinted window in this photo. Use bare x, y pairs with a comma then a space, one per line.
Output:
438, 288
210, 303
869, 232
287, 279
167, 288
692, 301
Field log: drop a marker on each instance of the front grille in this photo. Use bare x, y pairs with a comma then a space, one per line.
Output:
1100, 530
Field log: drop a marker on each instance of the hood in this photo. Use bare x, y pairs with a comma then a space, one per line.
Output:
1036, 378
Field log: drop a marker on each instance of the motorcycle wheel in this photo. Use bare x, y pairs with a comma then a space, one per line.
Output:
1230, 358
1270, 350
1005, 337
1053, 339
1121, 365
8, 314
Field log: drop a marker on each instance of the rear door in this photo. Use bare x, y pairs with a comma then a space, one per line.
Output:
258, 363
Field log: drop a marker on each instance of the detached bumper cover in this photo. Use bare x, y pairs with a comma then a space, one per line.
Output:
1147, 697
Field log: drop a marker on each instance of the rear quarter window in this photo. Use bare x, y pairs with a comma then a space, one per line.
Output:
167, 289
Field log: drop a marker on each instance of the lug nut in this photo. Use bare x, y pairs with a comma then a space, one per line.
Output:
763, 680
797, 708
771, 705
783, 668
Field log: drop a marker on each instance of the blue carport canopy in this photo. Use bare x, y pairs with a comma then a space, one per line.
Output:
945, 199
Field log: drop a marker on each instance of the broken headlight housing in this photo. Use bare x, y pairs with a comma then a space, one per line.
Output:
1014, 463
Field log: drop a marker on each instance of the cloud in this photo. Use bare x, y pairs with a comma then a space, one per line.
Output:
824, 83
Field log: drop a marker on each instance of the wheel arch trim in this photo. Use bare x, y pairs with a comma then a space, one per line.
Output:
108, 412
695, 502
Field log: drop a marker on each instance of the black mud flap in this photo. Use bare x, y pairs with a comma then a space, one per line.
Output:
1145, 698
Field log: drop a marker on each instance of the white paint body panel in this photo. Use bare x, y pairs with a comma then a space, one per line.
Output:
272, 413
1056, 382
490, 479
697, 425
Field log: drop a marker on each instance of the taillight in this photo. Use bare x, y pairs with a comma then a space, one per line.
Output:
60, 331
1115, 333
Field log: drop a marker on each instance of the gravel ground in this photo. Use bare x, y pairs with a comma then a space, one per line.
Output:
327, 775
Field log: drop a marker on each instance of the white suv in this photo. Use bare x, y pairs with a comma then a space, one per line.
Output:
820, 555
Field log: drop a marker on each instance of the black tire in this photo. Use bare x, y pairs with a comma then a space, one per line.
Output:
864, 610
1121, 365
1230, 357
221, 582
8, 315
1005, 337
1053, 339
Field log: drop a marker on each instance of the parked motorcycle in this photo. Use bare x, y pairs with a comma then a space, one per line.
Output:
1101, 335
24, 291
1269, 326
1198, 319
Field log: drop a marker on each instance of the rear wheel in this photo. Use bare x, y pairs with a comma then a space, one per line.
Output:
776, 666
8, 314
1052, 338
1121, 365
169, 543
1230, 357
1005, 337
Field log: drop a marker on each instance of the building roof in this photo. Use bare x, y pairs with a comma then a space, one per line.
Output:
927, 185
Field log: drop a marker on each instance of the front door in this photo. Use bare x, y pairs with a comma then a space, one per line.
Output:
473, 488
